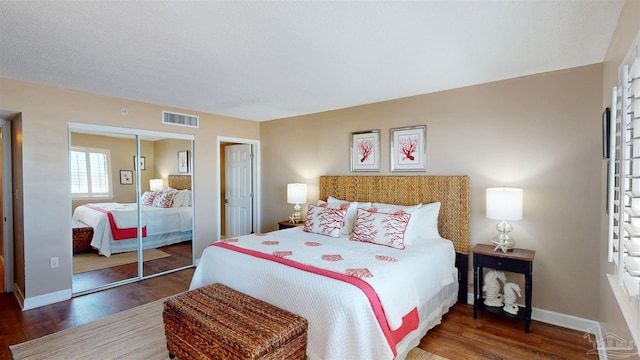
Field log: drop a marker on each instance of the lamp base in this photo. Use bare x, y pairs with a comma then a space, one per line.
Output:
503, 241
295, 218
504, 246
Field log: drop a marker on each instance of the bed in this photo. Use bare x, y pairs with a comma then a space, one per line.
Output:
115, 224
347, 320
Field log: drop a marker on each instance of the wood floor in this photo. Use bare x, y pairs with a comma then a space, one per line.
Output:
180, 256
458, 337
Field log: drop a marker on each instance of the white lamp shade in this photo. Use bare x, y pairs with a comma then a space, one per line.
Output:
296, 193
155, 184
504, 203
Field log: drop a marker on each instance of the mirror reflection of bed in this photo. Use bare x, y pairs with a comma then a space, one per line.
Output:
105, 233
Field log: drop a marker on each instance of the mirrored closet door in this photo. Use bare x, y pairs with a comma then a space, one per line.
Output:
132, 213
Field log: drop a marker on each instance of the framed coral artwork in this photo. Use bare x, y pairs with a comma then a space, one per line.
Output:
409, 148
183, 161
365, 151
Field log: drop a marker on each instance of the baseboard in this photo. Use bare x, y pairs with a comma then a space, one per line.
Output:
19, 295
554, 318
46, 299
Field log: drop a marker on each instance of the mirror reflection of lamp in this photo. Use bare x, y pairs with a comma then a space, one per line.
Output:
504, 204
156, 184
296, 194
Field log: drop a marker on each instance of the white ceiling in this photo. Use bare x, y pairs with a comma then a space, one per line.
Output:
262, 60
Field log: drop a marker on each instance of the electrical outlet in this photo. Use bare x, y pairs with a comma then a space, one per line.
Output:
54, 262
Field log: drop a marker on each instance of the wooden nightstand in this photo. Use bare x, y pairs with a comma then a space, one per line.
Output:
516, 260
285, 224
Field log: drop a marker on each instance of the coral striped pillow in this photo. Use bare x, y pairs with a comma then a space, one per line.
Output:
381, 228
163, 198
148, 197
324, 221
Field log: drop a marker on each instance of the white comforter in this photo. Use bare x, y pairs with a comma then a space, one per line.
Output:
342, 324
157, 220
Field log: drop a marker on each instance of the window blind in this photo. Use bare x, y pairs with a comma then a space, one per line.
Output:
90, 173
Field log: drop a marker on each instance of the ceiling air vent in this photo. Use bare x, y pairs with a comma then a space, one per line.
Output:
171, 118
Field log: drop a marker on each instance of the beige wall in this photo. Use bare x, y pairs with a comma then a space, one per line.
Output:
541, 133
41, 178
166, 157
627, 29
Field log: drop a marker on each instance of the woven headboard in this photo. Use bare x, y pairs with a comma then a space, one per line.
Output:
180, 182
454, 193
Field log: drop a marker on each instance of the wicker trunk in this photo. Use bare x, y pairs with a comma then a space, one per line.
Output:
217, 322
82, 235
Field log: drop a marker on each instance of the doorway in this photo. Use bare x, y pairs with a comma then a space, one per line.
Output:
238, 181
6, 206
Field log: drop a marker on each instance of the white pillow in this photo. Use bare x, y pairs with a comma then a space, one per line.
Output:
350, 218
187, 197
324, 220
388, 229
424, 223
178, 199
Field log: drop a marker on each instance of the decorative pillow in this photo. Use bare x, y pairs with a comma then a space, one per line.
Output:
163, 198
324, 221
147, 198
380, 228
352, 208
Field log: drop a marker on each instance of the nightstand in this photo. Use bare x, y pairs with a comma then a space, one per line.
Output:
286, 224
517, 261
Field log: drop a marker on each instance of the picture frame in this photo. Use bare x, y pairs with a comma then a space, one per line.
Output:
141, 163
126, 177
365, 150
409, 148
183, 161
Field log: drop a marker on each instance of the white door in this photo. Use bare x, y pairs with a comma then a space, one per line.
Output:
238, 190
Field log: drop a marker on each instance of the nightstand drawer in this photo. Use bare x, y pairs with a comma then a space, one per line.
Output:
504, 264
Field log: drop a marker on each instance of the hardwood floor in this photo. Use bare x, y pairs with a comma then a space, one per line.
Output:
458, 337
491, 336
180, 256
17, 326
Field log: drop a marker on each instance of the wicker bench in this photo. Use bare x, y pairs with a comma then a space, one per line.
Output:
217, 322
82, 235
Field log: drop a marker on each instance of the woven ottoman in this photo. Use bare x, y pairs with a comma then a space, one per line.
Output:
217, 322
82, 235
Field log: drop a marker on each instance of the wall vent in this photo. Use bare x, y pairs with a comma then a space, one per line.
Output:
171, 118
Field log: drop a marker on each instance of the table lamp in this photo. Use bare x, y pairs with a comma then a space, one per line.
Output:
156, 184
296, 194
504, 204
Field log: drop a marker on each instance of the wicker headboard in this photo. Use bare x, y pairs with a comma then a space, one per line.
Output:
454, 193
180, 182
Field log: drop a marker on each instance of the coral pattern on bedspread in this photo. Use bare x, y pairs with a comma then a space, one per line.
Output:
393, 302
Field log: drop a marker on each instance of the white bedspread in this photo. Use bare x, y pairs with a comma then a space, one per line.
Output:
157, 220
342, 324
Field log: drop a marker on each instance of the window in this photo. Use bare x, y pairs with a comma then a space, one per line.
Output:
624, 191
90, 173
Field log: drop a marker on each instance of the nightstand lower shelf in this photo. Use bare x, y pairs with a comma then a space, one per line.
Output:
521, 315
